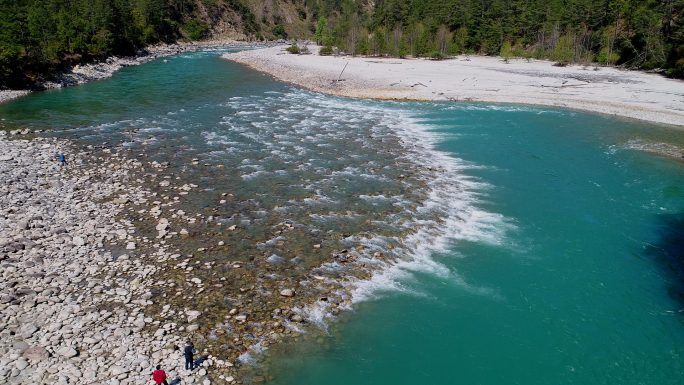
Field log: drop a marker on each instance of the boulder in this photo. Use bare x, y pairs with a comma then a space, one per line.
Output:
66, 351
21, 364
21, 346
121, 291
287, 293
163, 224
116, 370
36, 353
193, 314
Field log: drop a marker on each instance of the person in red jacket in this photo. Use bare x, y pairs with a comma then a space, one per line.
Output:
159, 376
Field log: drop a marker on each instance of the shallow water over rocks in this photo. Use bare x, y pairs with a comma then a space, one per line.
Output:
266, 210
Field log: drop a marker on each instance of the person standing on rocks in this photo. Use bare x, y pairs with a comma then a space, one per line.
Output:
189, 351
159, 376
62, 159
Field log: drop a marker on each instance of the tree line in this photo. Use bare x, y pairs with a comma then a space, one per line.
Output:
41, 36
645, 34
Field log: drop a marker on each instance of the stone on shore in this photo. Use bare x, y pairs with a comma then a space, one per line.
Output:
21, 346
66, 351
78, 241
36, 353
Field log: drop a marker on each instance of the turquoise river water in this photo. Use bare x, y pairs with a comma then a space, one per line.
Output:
558, 258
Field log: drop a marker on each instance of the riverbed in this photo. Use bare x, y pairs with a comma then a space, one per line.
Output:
420, 242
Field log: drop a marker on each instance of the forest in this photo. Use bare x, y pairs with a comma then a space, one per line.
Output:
38, 37
643, 34
41, 36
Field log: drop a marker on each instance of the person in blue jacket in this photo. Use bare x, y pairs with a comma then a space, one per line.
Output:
62, 159
189, 351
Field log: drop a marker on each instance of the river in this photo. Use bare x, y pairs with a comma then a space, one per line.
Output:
530, 245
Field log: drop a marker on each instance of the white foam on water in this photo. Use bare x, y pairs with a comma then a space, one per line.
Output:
653, 147
451, 195
247, 358
254, 174
445, 210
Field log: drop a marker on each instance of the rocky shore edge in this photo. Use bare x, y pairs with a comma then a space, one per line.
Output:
84, 73
71, 312
94, 285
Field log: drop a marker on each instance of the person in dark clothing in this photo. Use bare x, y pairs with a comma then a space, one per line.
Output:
189, 351
62, 159
159, 376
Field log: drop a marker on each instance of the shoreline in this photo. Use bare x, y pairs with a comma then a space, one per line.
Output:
98, 280
119, 237
628, 94
74, 308
85, 73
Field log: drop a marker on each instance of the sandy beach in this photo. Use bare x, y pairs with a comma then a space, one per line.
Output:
630, 94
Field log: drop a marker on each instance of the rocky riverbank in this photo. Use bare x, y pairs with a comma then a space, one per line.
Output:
84, 73
72, 311
102, 276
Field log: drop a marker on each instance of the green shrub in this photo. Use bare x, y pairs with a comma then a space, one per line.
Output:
436, 55
279, 31
327, 50
196, 29
506, 51
564, 52
294, 48
605, 58
677, 70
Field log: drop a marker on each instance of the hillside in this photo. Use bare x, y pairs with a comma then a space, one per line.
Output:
40, 37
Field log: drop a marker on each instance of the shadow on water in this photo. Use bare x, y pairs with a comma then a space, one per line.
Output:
668, 250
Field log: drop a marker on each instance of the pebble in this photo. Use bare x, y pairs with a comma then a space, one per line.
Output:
287, 293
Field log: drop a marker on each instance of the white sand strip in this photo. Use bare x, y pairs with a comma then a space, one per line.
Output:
630, 94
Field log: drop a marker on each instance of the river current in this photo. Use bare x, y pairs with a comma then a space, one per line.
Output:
508, 244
